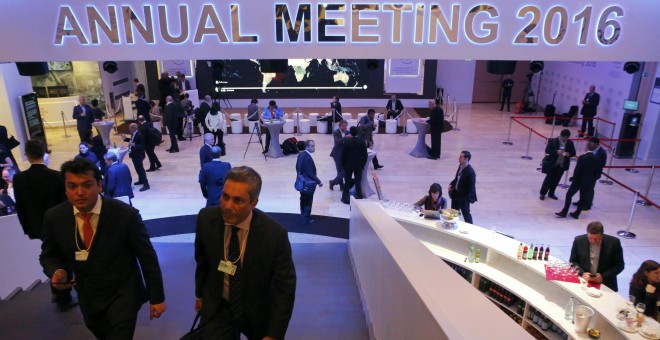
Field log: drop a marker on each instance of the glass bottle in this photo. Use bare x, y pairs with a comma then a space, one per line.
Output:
520, 252
536, 253
530, 252
547, 253
471, 253
540, 253
477, 256
568, 312
524, 253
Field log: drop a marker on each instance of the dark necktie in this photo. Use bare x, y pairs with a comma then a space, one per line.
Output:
88, 232
235, 280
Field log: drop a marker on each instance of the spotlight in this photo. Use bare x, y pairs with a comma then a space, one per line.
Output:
110, 66
372, 64
631, 67
536, 66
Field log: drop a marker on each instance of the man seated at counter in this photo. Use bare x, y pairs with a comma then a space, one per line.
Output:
434, 200
644, 287
599, 257
272, 112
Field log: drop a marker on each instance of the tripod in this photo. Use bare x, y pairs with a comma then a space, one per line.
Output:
256, 130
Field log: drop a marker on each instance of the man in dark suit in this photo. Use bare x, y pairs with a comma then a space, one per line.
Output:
82, 113
366, 126
36, 190
143, 107
559, 152
164, 87
117, 181
305, 166
337, 149
589, 111
212, 177
172, 111
334, 116
149, 146
507, 86
136, 152
462, 190
599, 257
205, 151
584, 176
436, 120
353, 159
245, 280
393, 107
601, 154
94, 244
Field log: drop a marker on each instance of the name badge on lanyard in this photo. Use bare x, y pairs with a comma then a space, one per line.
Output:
81, 255
227, 267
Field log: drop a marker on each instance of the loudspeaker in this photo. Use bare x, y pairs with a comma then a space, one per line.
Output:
110, 66
372, 64
32, 68
501, 66
536, 66
631, 67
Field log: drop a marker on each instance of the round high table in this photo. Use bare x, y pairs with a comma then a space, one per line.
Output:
120, 152
366, 188
420, 150
274, 127
104, 127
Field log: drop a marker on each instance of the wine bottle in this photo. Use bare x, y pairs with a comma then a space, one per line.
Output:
547, 253
536, 252
530, 252
524, 253
520, 252
540, 253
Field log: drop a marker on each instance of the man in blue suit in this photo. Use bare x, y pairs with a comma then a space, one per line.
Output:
82, 113
212, 177
117, 181
305, 166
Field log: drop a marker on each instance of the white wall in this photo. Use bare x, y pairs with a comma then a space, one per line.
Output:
12, 86
457, 78
125, 70
649, 147
571, 80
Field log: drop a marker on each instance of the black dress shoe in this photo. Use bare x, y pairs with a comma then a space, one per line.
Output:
265, 152
574, 215
173, 151
560, 214
331, 185
542, 197
159, 166
576, 203
168, 150
150, 170
181, 139
341, 186
553, 197
378, 167
431, 157
138, 183
145, 188
345, 201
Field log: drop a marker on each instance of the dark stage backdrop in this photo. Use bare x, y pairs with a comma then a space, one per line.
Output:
305, 78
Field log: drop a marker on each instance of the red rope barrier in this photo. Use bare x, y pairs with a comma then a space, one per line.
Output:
605, 120
629, 167
516, 120
631, 190
540, 135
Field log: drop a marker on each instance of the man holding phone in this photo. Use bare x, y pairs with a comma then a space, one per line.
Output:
599, 257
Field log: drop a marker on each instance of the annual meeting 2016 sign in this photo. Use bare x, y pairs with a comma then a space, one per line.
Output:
504, 29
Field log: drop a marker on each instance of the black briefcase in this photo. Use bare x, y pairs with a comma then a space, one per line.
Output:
195, 333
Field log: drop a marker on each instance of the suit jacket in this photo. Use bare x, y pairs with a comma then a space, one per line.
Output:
601, 154
590, 110
436, 119
138, 148
111, 275
610, 262
338, 148
354, 155
143, 108
36, 190
212, 180
551, 150
367, 128
205, 155
145, 130
172, 111
306, 167
117, 181
466, 188
83, 123
586, 171
336, 109
268, 274
396, 106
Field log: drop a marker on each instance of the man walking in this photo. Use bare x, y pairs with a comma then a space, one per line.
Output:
136, 149
559, 152
212, 177
305, 166
462, 190
146, 128
117, 181
338, 137
584, 177
353, 159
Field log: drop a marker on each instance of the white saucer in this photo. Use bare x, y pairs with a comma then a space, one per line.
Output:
623, 326
648, 332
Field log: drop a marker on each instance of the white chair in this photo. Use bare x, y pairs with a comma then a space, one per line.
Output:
236, 116
251, 125
288, 126
304, 125
314, 116
390, 126
236, 127
321, 126
224, 127
351, 122
346, 116
410, 126
360, 115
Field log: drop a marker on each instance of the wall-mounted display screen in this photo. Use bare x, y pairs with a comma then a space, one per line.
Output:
32, 117
631, 105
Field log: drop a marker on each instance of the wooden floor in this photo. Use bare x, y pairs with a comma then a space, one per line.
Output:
507, 186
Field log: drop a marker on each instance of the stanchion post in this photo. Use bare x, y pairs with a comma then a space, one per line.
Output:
552, 132
508, 135
66, 135
648, 187
606, 180
456, 126
297, 125
633, 170
627, 233
596, 127
529, 141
